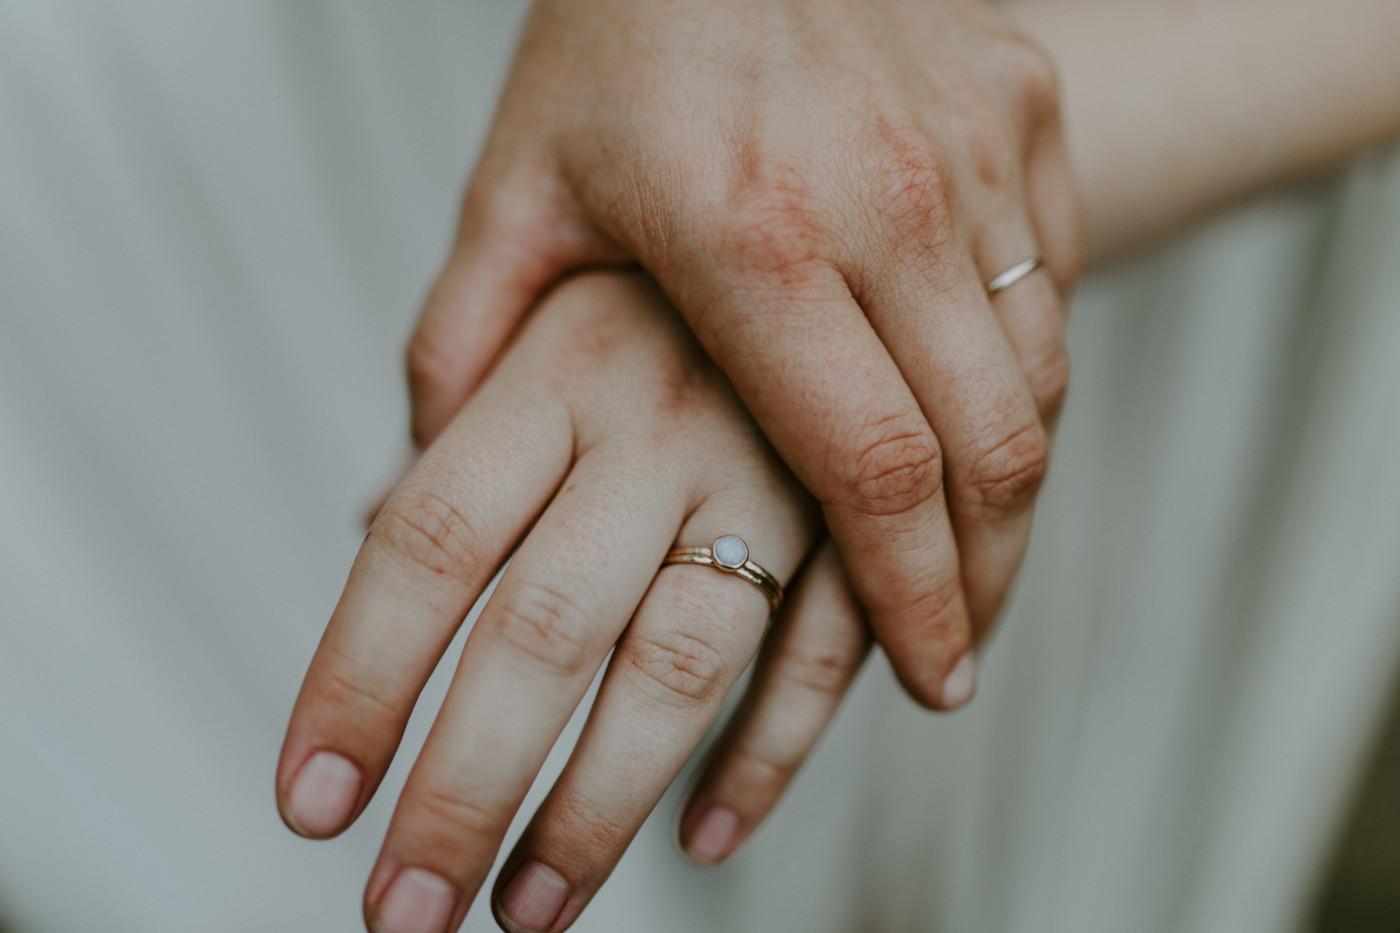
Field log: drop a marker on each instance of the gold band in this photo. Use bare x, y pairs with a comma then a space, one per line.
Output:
733, 557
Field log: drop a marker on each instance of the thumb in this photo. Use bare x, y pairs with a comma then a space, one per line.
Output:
513, 240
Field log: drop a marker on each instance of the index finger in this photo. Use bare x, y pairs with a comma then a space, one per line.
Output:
423, 564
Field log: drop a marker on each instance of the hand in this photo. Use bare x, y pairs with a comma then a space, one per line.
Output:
822, 187
604, 437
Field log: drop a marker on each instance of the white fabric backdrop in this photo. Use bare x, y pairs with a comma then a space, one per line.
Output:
216, 221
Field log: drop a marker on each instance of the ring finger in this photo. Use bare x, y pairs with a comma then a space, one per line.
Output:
691, 639
809, 660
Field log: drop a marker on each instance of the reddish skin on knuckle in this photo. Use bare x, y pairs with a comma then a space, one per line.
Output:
430, 532
912, 190
772, 233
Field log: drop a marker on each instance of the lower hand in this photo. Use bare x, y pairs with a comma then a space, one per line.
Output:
603, 438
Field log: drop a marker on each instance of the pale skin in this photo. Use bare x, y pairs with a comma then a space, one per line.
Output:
631, 443
576, 425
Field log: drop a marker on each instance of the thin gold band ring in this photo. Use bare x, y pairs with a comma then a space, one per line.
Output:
729, 554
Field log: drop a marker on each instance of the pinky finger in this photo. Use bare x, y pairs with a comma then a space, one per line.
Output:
808, 662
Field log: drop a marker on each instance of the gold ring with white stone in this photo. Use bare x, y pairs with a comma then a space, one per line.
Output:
729, 554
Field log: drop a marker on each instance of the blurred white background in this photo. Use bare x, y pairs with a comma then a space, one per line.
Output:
216, 222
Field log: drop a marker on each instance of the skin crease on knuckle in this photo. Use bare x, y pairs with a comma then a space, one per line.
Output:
675, 668
430, 532
359, 699
892, 467
821, 666
1004, 479
542, 624
443, 818
751, 774
573, 831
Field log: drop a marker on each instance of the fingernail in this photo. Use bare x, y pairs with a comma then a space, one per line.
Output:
417, 902
534, 897
714, 836
323, 794
960, 682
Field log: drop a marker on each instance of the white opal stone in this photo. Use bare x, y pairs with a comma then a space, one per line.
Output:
730, 552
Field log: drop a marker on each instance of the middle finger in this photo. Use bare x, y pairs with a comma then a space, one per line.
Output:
560, 606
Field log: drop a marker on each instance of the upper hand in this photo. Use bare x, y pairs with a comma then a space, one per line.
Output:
823, 188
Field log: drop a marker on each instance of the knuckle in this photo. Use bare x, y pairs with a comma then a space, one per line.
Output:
677, 669
824, 669
505, 201
1005, 478
769, 770
541, 623
913, 186
588, 827
453, 816
772, 230
895, 466
355, 695
484, 203
991, 152
430, 532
